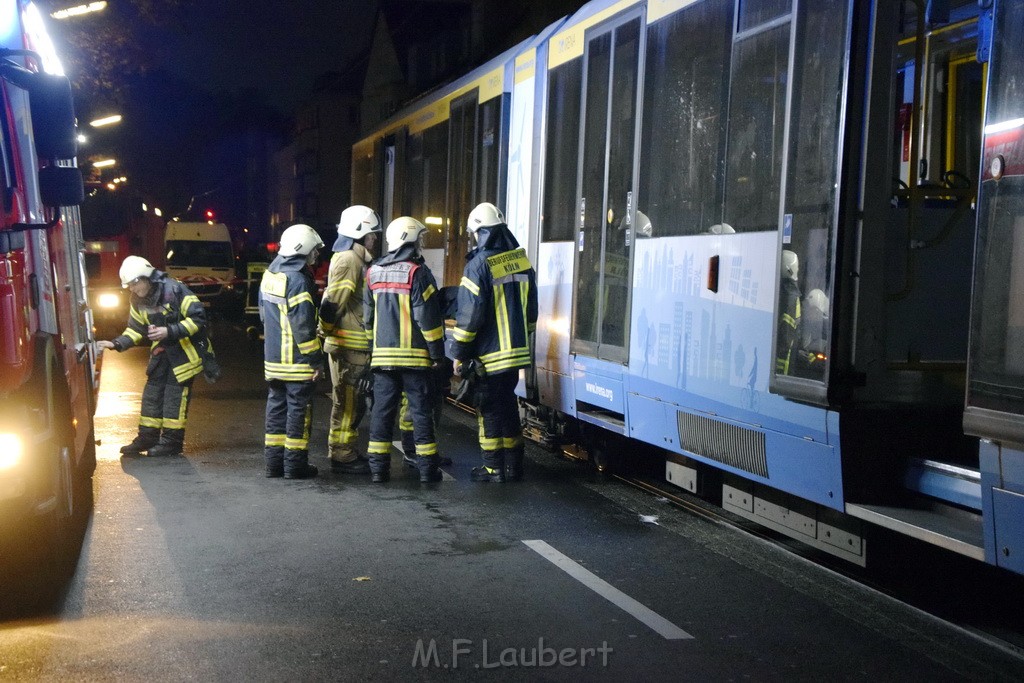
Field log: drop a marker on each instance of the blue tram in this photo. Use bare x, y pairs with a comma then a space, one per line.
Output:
780, 240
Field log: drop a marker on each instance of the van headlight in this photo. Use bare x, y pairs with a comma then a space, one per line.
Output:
11, 450
108, 300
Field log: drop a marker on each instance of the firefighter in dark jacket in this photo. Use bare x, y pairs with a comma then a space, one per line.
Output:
789, 313
165, 314
497, 311
406, 333
293, 359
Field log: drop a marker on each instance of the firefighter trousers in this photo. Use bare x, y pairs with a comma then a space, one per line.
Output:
289, 415
348, 404
164, 401
388, 386
497, 415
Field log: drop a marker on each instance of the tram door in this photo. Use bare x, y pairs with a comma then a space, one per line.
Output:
461, 184
606, 211
995, 372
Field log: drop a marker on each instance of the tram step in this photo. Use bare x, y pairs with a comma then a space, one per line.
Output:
602, 418
942, 525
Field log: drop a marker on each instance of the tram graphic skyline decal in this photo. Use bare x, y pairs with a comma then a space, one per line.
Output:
691, 338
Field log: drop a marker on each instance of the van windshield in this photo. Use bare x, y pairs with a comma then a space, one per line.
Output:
199, 253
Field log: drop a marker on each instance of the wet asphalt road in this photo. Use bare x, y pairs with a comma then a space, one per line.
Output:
198, 568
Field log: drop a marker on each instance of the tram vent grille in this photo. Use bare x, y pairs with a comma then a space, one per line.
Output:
725, 443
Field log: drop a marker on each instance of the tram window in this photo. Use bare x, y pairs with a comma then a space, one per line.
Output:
966, 94
810, 209
756, 12
997, 347
562, 152
593, 183
757, 114
435, 172
415, 179
621, 145
683, 147
362, 179
489, 145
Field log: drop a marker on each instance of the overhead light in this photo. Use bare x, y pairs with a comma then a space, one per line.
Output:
157, 212
433, 220
79, 10
82, 139
104, 163
106, 121
144, 207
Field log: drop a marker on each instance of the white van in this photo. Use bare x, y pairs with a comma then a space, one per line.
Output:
201, 256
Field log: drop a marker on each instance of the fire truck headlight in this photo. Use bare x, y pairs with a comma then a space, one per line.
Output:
11, 449
108, 300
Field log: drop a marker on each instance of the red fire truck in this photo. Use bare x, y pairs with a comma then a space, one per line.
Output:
48, 373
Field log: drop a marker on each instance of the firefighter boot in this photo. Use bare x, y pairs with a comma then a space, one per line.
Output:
274, 458
172, 441
296, 465
146, 439
514, 463
429, 471
492, 470
345, 459
408, 448
380, 468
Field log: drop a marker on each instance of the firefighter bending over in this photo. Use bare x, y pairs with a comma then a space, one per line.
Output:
165, 314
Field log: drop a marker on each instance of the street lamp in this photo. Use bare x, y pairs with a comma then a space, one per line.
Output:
79, 10
104, 163
106, 121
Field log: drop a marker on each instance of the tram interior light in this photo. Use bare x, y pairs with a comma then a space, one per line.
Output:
108, 300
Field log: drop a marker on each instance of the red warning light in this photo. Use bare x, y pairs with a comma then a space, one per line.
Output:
209, 215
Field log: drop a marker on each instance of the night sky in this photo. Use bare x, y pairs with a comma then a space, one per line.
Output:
276, 47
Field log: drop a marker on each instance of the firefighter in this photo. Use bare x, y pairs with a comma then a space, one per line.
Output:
293, 360
345, 342
406, 333
167, 315
497, 311
789, 313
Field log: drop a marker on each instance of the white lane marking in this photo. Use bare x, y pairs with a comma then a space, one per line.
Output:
445, 476
655, 621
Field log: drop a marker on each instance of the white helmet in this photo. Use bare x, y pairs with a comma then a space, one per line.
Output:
358, 221
299, 239
816, 299
484, 215
403, 230
790, 265
133, 268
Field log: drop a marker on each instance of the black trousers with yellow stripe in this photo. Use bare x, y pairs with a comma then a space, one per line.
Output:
388, 386
164, 401
289, 415
497, 411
